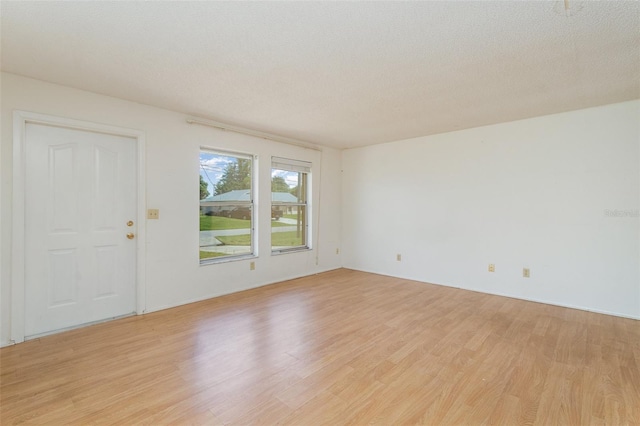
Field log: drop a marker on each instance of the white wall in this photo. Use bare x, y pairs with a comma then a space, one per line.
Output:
173, 273
530, 193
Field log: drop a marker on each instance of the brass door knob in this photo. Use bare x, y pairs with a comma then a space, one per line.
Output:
130, 223
130, 235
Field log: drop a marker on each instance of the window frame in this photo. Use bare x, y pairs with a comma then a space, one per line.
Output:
251, 204
303, 168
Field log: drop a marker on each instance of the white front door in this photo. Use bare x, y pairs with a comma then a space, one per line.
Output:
80, 206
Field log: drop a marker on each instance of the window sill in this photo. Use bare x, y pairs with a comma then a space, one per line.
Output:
226, 259
291, 250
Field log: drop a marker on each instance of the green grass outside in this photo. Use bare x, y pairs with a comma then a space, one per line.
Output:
216, 223
277, 239
210, 254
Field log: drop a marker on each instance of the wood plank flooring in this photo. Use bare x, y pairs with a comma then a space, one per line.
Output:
339, 348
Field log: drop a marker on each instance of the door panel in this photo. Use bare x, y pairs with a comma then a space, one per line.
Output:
80, 193
105, 196
63, 187
62, 286
106, 271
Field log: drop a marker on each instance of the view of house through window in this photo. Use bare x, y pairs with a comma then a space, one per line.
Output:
226, 205
289, 197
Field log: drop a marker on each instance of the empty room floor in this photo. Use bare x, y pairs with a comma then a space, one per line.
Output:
342, 347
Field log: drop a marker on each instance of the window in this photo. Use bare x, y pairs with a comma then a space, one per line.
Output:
226, 205
289, 205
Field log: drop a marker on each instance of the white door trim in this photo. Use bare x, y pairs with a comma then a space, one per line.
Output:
20, 120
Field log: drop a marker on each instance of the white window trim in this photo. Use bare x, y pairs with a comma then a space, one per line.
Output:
298, 166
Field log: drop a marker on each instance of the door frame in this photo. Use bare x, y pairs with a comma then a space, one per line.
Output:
18, 255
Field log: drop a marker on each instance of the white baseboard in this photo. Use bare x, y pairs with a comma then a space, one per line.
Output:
214, 295
546, 302
186, 302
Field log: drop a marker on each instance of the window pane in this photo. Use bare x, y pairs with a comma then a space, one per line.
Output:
226, 205
290, 231
288, 186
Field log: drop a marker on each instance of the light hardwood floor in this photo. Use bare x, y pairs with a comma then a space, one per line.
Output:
343, 347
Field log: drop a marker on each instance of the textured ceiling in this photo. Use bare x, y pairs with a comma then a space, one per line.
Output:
341, 74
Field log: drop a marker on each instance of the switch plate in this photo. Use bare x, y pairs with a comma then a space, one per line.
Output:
153, 214
399, 257
492, 267
252, 266
337, 251
526, 273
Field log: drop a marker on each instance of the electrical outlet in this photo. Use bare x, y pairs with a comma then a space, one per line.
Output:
526, 273
399, 257
153, 214
252, 266
337, 251
492, 267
